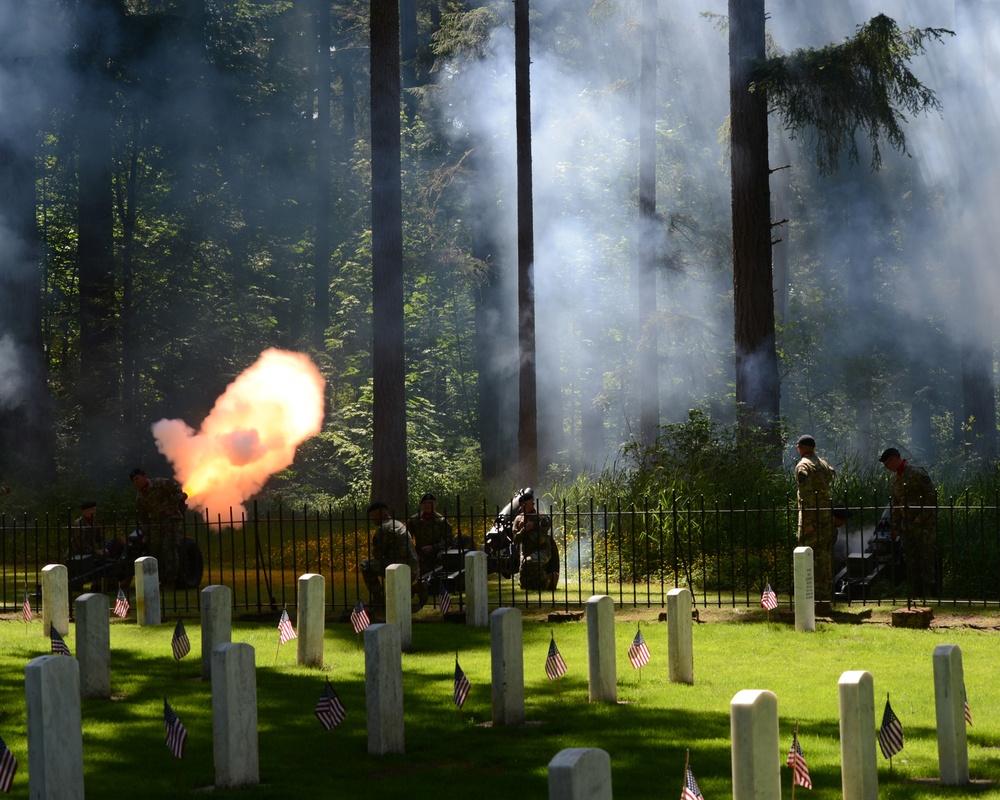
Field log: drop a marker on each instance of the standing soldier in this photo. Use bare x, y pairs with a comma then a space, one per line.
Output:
914, 517
431, 532
533, 532
391, 544
160, 503
813, 478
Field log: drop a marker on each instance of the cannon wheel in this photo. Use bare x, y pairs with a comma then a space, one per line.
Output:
190, 564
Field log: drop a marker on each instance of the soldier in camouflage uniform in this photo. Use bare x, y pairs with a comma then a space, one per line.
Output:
431, 532
533, 532
914, 517
391, 544
160, 503
813, 478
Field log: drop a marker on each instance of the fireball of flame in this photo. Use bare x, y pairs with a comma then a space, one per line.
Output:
250, 434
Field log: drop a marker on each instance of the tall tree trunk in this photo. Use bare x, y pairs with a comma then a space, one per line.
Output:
27, 439
976, 186
782, 181
649, 391
98, 386
389, 456
321, 267
757, 383
527, 432
132, 421
493, 365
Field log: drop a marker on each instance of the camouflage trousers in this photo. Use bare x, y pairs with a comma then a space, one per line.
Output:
532, 575
816, 531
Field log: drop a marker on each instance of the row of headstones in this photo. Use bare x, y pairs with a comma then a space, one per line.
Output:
54, 684
383, 666
311, 600
585, 773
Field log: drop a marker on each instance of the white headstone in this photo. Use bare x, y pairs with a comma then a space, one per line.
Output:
55, 599
858, 758
234, 716
753, 718
384, 689
398, 606
680, 647
805, 589
949, 703
580, 773
216, 623
601, 660
93, 644
311, 627
55, 728
147, 591
507, 651
477, 598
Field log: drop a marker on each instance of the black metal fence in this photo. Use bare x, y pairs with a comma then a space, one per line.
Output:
723, 554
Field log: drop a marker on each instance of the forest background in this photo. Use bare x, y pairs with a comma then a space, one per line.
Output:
185, 184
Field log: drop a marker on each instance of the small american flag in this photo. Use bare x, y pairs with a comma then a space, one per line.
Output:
26, 608
121, 605
638, 653
8, 766
965, 700
769, 599
180, 644
329, 710
890, 735
797, 761
59, 647
359, 617
176, 735
555, 667
444, 602
462, 686
285, 630
691, 790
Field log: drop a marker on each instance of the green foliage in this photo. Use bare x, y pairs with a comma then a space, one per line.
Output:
699, 458
861, 86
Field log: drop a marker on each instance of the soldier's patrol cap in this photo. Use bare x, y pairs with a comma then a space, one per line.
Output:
87, 504
428, 496
890, 452
526, 494
806, 440
376, 506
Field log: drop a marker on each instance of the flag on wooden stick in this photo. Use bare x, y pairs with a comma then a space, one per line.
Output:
359, 617
180, 643
176, 734
329, 710
59, 646
890, 735
121, 605
638, 652
797, 761
285, 630
555, 667
8, 766
462, 685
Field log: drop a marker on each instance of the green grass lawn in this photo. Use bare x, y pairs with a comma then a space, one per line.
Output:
450, 752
